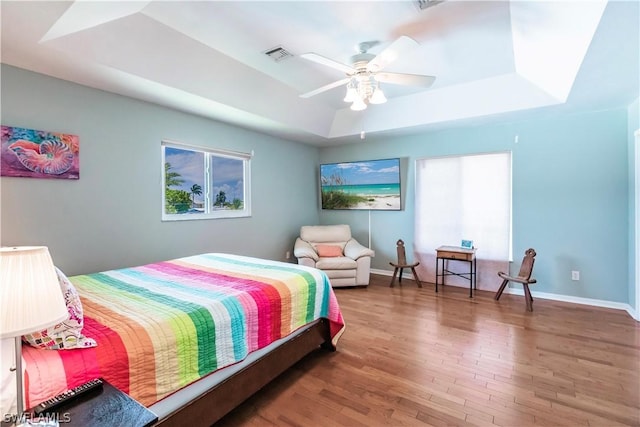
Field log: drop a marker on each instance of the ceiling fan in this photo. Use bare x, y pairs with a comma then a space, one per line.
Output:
366, 73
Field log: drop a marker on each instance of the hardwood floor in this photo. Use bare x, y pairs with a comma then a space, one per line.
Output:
411, 357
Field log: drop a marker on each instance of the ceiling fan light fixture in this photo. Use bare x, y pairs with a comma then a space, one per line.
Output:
424, 4
366, 71
358, 104
352, 94
377, 97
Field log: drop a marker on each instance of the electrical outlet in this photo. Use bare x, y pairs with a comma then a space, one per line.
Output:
575, 275
287, 255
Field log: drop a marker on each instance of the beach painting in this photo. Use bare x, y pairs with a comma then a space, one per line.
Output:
361, 185
39, 154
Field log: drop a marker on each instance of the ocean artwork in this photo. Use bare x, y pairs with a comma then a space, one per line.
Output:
362, 185
39, 154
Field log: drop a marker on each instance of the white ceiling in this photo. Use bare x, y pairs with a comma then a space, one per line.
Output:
492, 59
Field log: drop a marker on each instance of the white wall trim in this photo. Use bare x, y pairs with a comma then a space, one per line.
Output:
390, 273
578, 300
544, 295
637, 223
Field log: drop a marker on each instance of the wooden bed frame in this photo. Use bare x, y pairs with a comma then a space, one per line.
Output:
221, 399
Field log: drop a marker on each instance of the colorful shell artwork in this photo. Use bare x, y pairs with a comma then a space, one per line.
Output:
39, 154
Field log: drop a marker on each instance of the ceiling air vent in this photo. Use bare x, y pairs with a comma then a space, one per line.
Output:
424, 4
278, 53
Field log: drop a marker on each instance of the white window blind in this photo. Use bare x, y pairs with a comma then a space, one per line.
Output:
465, 197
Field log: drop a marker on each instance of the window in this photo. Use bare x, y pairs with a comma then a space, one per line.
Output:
203, 183
465, 197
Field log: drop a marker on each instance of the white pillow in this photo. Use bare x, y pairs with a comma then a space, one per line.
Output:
67, 334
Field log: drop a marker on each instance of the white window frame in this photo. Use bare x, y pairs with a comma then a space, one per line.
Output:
208, 154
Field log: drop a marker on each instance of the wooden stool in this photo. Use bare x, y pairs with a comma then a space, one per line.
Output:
402, 264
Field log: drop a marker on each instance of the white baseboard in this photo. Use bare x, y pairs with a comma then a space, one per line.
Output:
544, 295
579, 300
390, 273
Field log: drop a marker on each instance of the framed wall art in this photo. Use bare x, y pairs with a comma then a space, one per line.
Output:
365, 185
39, 154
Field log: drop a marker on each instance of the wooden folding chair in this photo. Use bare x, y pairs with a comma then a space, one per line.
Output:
523, 277
402, 264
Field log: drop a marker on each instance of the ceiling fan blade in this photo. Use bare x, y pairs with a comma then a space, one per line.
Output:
326, 88
328, 62
405, 79
400, 46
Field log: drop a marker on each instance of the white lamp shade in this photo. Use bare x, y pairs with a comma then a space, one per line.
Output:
358, 104
351, 95
31, 298
377, 97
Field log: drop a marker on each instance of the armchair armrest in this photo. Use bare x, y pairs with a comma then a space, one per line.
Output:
355, 250
302, 249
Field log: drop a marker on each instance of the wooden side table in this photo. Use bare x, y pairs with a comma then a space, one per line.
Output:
106, 407
456, 253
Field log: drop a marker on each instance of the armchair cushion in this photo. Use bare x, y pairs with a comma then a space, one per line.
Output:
325, 233
337, 263
329, 250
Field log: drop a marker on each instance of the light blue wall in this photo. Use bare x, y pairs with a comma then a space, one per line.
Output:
110, 217
570, 196
571, 178
633, 126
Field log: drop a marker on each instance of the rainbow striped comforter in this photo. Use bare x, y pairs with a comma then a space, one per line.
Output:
161, 326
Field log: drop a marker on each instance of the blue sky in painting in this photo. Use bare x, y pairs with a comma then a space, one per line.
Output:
385, 171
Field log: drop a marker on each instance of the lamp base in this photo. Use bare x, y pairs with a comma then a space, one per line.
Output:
7, 378
19, 418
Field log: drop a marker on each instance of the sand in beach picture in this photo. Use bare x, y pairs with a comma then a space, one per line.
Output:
365, 185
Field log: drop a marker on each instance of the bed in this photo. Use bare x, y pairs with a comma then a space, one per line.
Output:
193, 337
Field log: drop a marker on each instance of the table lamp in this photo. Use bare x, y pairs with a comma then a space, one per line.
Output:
31, 300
